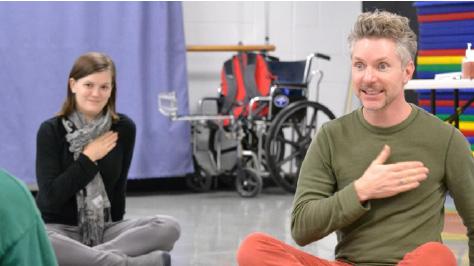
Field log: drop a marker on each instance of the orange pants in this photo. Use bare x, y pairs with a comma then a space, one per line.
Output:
259, 249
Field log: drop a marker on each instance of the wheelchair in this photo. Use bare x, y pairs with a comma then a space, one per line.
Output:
263, 126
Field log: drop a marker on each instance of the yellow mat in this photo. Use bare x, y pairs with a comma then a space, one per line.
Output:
466, 125
439, 60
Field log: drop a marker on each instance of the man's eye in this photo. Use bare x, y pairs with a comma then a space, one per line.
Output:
383, 66
359, 66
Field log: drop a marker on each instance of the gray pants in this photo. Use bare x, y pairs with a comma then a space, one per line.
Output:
122, 241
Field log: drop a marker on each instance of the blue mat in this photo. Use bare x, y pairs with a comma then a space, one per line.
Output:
441, 7
425, 74
426, 95
448, 110
444, 97
469, 92
437, 3
444, 45
447, 39
446, 31
446, 24
446, 28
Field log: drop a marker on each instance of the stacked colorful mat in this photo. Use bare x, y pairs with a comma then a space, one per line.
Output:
445, 28
454, 233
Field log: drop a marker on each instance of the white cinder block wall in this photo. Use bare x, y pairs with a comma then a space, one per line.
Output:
295, 28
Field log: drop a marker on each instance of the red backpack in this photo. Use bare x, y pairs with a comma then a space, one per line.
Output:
244, 76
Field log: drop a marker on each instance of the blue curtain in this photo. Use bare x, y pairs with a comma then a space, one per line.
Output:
39, 42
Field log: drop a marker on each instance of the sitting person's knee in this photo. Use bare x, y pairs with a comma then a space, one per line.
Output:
255, 239
167, 224
430, 253
436, 249
172, 223
249, 246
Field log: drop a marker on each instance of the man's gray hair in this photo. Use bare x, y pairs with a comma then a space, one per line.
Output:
383, 24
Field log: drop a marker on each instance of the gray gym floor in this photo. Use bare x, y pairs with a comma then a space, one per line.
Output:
213, 224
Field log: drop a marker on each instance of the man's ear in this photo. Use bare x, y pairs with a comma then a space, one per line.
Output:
409, 70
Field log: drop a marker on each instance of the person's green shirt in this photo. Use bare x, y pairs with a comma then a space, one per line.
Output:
380, 232
23, 238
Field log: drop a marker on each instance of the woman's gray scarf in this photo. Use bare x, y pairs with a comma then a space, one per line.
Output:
93, 205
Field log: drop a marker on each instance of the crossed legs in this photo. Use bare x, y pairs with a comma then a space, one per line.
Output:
263, 250
123, 241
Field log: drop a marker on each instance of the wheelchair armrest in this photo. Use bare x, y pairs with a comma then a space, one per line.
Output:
255, 100
290, 85
208, 99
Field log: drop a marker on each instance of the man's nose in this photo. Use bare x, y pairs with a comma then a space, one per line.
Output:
369, 75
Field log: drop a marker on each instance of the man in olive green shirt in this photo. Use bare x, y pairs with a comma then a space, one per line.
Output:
378, 176
23, 238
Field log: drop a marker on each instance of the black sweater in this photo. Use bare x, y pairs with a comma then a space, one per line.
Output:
60, 177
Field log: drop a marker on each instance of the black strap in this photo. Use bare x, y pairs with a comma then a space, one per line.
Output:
229, 99
251, 89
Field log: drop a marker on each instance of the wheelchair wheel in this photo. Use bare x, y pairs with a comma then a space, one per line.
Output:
248, 183
291, 132
200, 181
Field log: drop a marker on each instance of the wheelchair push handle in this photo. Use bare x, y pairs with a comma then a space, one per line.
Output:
322, 56
309, 59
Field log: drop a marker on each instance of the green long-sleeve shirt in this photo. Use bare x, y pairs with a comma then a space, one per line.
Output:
381, 231
23, 238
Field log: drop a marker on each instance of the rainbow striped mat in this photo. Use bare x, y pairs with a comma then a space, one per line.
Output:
454, 234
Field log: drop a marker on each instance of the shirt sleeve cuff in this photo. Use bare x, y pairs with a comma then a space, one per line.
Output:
350, 203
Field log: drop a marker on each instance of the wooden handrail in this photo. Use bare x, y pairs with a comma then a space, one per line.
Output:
230, 48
